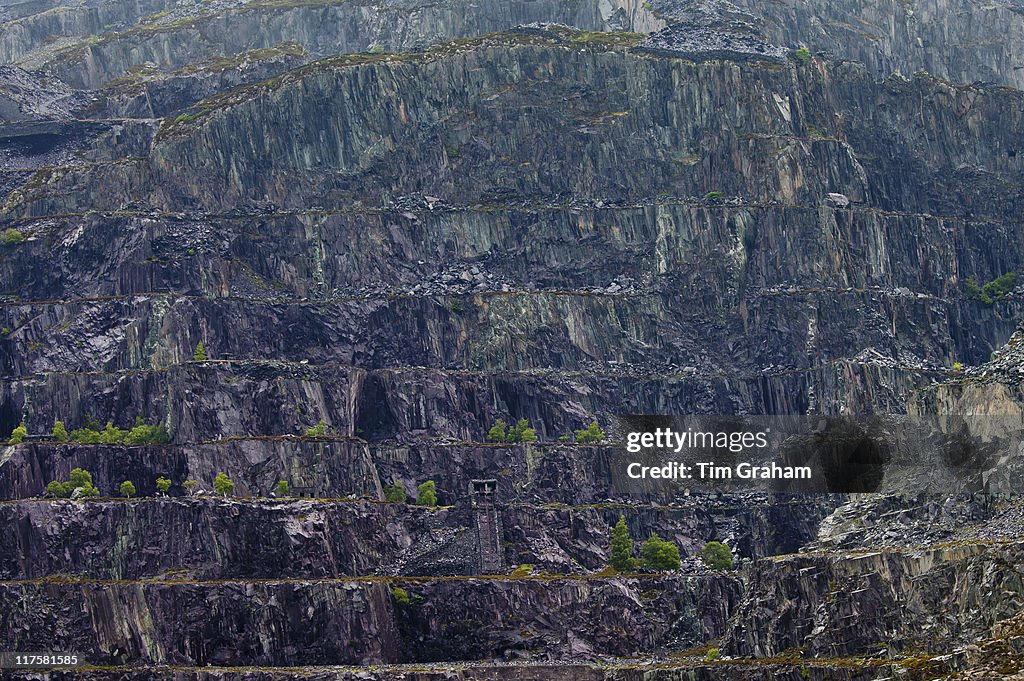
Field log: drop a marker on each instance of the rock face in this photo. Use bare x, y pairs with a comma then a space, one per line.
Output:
392, 224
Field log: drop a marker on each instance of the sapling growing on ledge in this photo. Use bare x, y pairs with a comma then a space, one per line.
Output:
19, 434
590, 434
717, 556
426, 494
222, 485
319, 430
521, 432
395, 493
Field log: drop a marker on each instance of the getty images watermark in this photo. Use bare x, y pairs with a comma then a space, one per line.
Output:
734, 442
832, 454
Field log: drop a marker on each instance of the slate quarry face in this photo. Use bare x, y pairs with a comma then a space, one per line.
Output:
407, 221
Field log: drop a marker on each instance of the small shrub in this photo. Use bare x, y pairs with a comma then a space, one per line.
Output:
498, 432
400, 596
190, 486
12, 237
524, 570
426, 494
19, 434
59, 432
958, 366
1000, 286
712, 655
997, 288
714, 196
78, 484
281, 489
802, 54
659, 555
591, 433
85, 436
395, 493
162, 485
200, 353
622, 548
457, 307
222, 484
112, 435
319, 430
127, 489
144, 434
522, 432
717, 556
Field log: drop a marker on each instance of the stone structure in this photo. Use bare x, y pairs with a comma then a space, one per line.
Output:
487, 525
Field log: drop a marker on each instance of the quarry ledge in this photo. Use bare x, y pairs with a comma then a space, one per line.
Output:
499, 373
554, 670
582, 204
12, 300
285, 503
602, 576
561, 37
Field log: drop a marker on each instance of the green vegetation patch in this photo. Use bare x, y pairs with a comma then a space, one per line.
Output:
78, 484
12, 237
717, 556
611, 38
141, 433
993, 290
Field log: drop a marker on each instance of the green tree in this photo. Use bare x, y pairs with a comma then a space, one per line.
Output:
162, 485
112, 435
1000, 286
190, 486
85, 436
426, 494
127, 489
990, 292
281, 488
319, 430
591, 433
622, 548
802, 54
659, 555
717, 556
522, 432
498, 432
144, 434
60, 433
12, 236
395, 493
200, 353
222, 484
19, 433
78, 484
